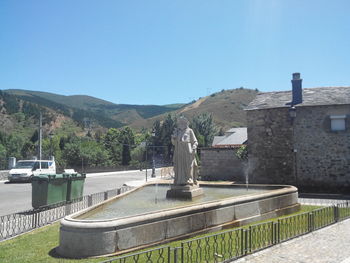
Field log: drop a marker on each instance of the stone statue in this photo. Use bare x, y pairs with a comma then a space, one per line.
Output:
185, 164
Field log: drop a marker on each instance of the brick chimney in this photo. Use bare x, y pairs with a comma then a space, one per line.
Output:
297, 91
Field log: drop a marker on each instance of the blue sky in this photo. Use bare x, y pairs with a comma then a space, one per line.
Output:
170, 51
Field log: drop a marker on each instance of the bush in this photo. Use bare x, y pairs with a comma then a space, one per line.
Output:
242, 152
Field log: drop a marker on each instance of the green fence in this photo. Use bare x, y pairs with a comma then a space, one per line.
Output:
232, 244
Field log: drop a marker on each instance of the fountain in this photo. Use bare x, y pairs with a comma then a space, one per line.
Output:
154, 214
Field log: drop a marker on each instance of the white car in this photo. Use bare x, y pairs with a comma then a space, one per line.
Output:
26, 169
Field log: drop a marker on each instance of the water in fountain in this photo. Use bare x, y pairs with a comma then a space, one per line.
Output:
143, 201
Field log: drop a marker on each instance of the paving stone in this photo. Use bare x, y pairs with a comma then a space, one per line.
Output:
328, 245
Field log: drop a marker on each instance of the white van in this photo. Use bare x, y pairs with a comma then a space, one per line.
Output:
26, 169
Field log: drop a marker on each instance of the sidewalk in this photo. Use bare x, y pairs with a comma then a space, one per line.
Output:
328, 245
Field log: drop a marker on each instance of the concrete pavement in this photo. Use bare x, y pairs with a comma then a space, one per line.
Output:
328, 245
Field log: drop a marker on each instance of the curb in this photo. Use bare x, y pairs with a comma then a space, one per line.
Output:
118, 172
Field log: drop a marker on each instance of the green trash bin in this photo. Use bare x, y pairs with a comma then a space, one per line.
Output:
75, 186
49, 189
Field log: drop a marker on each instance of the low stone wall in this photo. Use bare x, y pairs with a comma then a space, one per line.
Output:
3, 175
86, 238
221, 164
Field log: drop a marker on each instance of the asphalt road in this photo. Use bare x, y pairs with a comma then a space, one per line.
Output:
17, 197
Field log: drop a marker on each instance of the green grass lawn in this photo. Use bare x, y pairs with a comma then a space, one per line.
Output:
39, 245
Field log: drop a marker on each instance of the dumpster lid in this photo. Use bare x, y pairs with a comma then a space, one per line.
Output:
48, 177
76, 175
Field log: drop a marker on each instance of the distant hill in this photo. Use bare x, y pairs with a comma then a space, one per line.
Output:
21, 117
227, 108
19, 111
100, 112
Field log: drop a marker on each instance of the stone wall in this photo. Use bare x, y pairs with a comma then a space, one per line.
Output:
323, 156
221, 164
305, 152
270, 149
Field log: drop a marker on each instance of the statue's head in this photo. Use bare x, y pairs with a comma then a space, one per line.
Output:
182, 123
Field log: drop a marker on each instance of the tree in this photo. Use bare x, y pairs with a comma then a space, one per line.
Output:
113, 146
28, 150
167, 130
127, 138
203, 125
156, 130
137, 155
93, 153
86, 151
52, 146
14, 145
3, 157
162, 136
71, 154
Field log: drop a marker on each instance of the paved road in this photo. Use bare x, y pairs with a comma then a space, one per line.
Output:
328, 245
16, 197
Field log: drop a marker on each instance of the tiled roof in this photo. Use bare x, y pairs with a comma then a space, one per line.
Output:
311, 97
235, 136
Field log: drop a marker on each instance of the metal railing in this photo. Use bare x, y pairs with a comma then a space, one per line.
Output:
19, 223
159, 255
232, 244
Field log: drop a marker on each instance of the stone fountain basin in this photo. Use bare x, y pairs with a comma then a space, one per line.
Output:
86, 238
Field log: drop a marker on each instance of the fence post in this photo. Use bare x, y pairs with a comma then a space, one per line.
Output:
89, 200
311, 218
67, 208
245, 246
35, 220
182, 253
175, 255
250, 242
242, 242
169, 254
336, 213
275, 232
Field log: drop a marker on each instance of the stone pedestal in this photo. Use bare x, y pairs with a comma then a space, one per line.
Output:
184, 191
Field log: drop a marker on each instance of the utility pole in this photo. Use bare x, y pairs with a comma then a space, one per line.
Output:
40, 138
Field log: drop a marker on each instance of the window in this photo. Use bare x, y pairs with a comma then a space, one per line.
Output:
338, 122
36, 166
44, 165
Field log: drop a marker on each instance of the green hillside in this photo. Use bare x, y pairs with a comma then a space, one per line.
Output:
101, 112
79, 101
226, 107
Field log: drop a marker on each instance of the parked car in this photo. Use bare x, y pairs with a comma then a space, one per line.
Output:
26, 169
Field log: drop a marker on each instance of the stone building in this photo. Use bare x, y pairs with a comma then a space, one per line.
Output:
220, 161
301, 137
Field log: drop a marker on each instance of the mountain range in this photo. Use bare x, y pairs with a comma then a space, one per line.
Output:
226, 107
